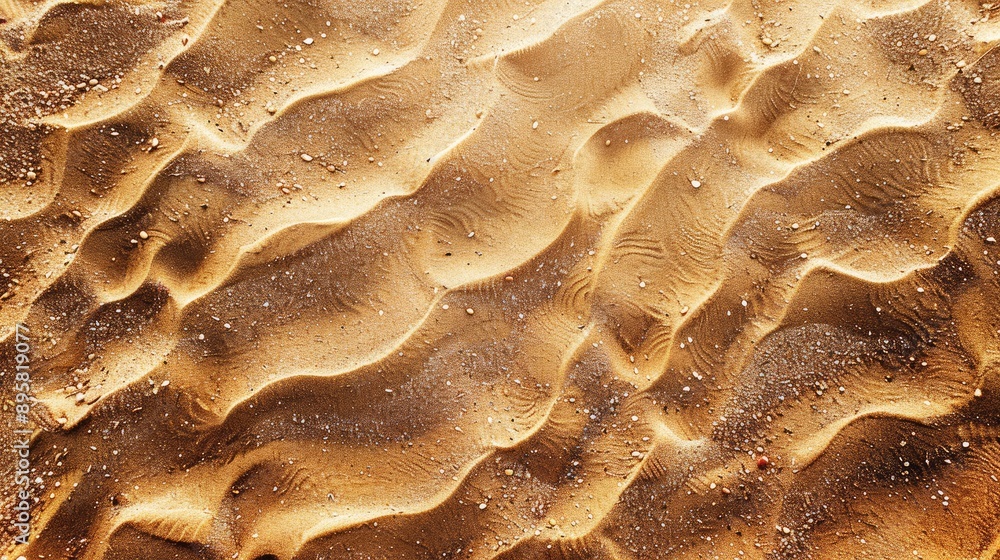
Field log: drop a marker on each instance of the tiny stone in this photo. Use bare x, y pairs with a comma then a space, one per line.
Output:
143, 235
470, 311
307, 157
695, 183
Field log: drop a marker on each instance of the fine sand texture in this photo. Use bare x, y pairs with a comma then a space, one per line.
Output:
500, 279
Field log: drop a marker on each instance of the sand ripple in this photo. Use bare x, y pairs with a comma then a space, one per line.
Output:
539, 279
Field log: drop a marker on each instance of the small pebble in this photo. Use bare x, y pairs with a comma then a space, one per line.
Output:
307, 157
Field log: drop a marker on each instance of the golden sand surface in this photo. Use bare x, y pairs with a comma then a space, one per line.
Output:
500, 279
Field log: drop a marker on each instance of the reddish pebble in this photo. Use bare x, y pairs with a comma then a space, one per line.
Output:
763, 462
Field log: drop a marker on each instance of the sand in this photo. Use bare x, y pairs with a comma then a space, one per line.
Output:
500, 279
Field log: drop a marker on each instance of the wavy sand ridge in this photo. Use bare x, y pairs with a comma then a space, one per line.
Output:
585, 279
